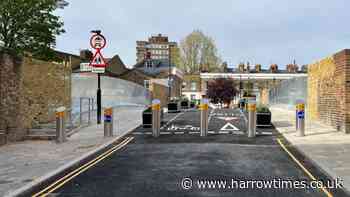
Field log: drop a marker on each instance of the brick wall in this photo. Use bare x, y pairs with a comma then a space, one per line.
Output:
328, 90
10, 80
159, 91
30, 90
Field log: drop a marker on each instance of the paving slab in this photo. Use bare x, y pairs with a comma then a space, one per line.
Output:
324, 145
24, 162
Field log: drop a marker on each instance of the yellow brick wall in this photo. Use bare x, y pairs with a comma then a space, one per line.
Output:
326, 90
318, 73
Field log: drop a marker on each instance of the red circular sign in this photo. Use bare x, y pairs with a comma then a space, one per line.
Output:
98, 41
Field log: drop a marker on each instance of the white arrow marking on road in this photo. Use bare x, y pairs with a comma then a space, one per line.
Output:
229, 127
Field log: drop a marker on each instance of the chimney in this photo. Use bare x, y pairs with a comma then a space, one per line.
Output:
274, 68
258, 68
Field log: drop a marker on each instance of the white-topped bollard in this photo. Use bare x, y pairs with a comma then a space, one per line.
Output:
156, 117
108, 122
251, 108
204, 106
300, 118
60, 125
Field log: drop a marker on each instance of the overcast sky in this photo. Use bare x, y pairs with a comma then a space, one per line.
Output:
259, 31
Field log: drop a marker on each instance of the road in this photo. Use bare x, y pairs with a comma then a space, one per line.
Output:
180, 161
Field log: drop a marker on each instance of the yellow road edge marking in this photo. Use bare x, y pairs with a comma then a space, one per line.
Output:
302, 167
81, 167
86, 168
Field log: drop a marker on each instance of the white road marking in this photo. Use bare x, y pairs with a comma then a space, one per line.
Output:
164, 126
210, 115
229, 127
265, 133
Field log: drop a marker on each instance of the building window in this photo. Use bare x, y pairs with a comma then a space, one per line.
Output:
146, 84
193, 97
193, 86
149, 64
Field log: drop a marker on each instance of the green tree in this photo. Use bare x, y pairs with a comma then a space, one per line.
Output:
30, 26
198, 52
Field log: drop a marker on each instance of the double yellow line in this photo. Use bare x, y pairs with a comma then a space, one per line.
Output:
312, 177
59, 183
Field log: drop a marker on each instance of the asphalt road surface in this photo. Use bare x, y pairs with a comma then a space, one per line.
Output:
181, 163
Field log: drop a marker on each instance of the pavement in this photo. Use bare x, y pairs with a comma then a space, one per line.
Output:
326, 147
26, 163
181, 163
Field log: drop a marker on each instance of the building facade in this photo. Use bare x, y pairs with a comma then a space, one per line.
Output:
192, 87
157, 47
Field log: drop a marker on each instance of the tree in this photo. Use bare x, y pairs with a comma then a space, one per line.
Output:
221, 90
30, 26
198, 52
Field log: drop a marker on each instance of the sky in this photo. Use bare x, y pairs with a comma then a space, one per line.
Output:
260, 31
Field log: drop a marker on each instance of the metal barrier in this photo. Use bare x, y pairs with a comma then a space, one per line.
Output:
251, 107
60, 125
204, 106
156, 118
300, 118
108, 122
90, 109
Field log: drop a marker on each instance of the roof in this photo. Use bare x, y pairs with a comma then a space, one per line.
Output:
162, 63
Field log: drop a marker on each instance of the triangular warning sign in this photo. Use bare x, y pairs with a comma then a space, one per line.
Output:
98, 60
229, 127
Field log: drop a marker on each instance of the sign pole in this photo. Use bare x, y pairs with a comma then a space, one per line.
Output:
98, 63
98, 96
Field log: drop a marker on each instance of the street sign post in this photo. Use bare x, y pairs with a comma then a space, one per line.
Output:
98, 64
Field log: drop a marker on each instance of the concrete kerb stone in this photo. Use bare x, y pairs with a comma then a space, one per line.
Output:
53, 175
313, 162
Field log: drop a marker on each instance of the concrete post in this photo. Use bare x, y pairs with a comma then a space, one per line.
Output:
60, 125
251, 107
108, 122
156, 118
204, 106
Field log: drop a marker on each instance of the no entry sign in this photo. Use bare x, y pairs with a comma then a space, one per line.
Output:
98, 42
